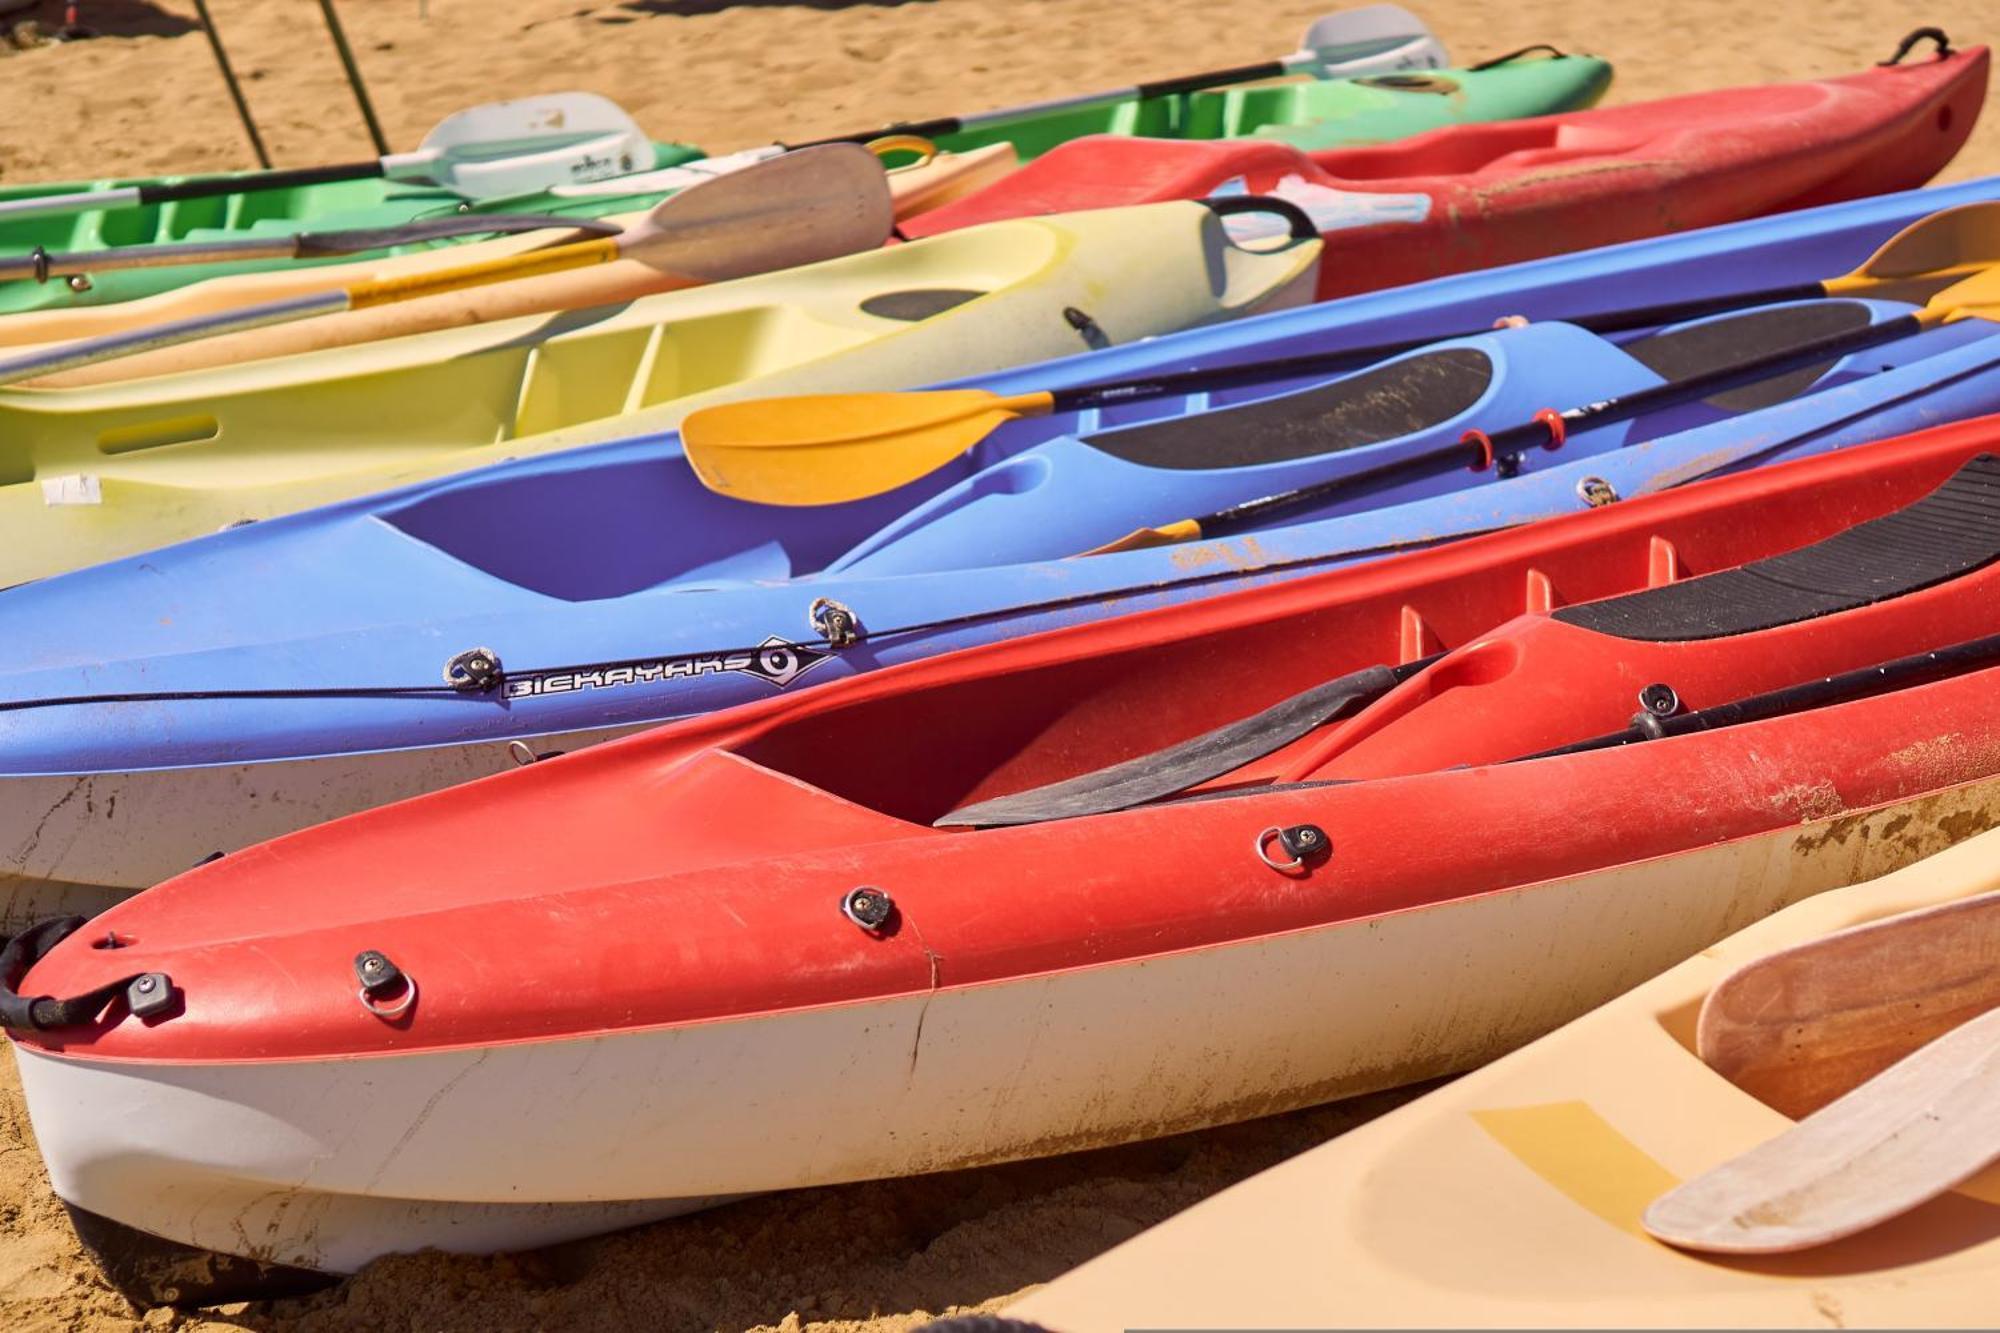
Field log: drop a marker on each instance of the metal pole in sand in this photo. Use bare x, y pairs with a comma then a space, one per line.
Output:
229, 77
354, 76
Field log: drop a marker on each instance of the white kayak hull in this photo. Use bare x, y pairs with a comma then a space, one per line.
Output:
328, 1163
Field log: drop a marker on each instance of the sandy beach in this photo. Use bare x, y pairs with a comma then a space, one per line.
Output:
145, 98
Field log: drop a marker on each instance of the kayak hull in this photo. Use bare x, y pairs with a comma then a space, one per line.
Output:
102, 800
330, 1163
1475, 1205
1481, 195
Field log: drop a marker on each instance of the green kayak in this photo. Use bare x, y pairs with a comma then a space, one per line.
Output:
1321, 113
326, 207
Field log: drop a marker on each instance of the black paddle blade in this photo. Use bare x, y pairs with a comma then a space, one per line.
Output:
314, 245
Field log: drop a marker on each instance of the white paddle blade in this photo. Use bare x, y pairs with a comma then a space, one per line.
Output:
527, 145
1901, 1139
799, 208
1369, 40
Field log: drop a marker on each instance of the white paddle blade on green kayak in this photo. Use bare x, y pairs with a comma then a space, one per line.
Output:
1369, 40
531, 144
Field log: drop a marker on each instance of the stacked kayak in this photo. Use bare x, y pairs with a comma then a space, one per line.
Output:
1474, 196
1379, 108
559, 982
1517, 1195
90, 473
315, 659
911, 188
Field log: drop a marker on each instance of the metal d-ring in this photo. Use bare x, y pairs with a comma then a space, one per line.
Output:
1265, 839
396, 1010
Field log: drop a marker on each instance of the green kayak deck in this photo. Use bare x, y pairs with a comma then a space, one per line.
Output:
1320, 113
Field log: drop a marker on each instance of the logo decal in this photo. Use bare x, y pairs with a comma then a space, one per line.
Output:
776, 662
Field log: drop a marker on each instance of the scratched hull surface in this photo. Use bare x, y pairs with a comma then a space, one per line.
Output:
914, 1084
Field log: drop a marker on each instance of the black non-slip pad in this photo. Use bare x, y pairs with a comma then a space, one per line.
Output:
1422, 391
1952, 531
1398, 399
1680, 353
919, 303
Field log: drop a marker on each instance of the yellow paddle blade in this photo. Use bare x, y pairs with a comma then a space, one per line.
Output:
1169, 534
830, 448
1927, 255
1976, 297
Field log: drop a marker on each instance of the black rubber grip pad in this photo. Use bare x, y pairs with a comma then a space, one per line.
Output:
1385, 403
1699, 348
1950, 532
918, 303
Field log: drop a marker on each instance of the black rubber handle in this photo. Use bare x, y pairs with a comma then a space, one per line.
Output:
1296, 218
1933, 35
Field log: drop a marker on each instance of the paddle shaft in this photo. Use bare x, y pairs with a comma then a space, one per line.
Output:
1112, 392
204, 187
1480, 450
355, 296
41, 266
1187, 83
1896, 673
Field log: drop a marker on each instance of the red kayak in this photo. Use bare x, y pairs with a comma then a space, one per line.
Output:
1113, 881
1475, 196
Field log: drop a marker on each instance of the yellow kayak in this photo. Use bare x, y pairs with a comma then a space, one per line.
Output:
90, 474
919, 186
1514, 1197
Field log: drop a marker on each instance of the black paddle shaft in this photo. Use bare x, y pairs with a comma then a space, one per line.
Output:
207, 187
1186, 83
1899, 672
1479, 450
1110, 392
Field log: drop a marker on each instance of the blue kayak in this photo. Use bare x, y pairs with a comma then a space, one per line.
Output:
260, 679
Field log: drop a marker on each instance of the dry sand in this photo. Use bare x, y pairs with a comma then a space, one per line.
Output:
146, 99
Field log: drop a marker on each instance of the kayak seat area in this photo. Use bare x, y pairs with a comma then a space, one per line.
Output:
593, 533
1176, 768
1694, 348
1950, 532
1401, 398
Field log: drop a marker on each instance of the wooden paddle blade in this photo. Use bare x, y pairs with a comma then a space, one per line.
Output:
797, 208
1902, 1138
1169, 534
1802, 1026
831, 448
1928, 254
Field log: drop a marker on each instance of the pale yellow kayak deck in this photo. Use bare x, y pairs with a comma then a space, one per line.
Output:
89, 474
1513, 1196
